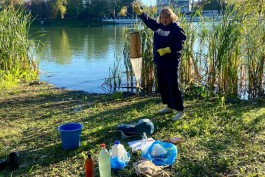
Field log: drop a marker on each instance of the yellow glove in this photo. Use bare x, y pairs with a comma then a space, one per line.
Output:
136, 8
164, 51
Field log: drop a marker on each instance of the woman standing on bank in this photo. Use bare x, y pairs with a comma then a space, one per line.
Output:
168, 42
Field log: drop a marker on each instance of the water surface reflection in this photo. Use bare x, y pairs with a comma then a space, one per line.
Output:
79, 58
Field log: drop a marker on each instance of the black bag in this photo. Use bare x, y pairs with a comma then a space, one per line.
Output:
135, 129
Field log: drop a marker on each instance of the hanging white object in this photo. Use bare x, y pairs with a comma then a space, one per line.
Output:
136, 56
137, 69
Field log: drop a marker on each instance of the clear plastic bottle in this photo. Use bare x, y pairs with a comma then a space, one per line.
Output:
104, 162
144, 142
89, 166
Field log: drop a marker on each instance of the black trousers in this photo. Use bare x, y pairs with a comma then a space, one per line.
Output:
167, 76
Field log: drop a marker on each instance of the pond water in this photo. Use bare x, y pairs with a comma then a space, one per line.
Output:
79, 58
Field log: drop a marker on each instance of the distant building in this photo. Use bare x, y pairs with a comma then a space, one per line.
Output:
184, 5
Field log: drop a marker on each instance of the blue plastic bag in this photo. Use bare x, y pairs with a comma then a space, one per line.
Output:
161, 153
117, 163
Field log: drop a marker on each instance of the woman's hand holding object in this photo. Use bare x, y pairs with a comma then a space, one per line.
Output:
136, 8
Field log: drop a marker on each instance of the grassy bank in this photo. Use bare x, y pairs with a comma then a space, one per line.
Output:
220, 138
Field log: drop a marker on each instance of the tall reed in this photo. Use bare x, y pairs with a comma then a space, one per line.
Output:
126, 59
223, 55
189, 69
18, 62
230, 53
148, 68
113, 82
253, 32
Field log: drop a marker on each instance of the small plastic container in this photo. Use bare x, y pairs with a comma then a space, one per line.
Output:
117, 150
119, 156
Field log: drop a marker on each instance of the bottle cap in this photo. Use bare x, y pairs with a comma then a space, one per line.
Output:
102, 145
117, 142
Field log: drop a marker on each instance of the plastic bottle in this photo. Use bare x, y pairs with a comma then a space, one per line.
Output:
89, 166
144, 142
104, 162
117, 150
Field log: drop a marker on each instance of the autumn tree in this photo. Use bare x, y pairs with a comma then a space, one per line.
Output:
58, 8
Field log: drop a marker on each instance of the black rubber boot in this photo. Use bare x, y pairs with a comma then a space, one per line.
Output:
3, 163
13, 160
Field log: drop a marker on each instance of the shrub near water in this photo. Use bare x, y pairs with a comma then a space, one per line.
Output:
17, 63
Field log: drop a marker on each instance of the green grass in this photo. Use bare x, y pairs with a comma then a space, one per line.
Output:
220, 138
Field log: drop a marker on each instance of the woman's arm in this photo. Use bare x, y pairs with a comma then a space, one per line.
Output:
149, 22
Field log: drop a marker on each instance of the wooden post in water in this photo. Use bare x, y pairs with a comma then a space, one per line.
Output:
136, 56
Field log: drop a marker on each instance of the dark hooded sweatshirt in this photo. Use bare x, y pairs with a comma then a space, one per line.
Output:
172, 36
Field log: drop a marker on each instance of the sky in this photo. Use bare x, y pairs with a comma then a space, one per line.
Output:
151, 2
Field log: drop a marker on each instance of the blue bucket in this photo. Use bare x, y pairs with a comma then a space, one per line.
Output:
70, 135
